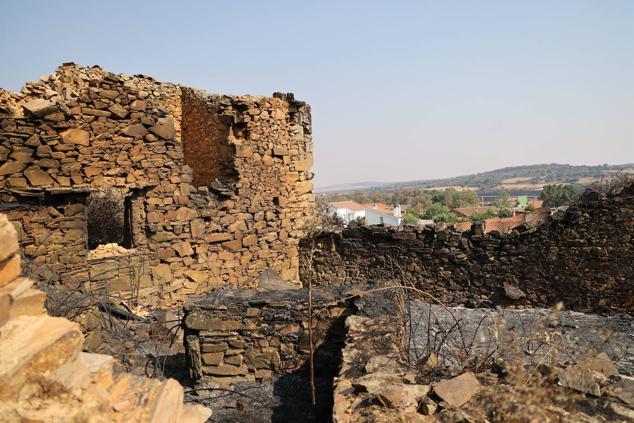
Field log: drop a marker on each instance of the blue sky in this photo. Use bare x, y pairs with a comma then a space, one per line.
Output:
399, 90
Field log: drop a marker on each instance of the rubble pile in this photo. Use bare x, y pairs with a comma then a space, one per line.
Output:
45, 376
377, 383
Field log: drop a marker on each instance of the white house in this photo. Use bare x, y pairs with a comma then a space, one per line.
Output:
376, 214
373, 214
347, 211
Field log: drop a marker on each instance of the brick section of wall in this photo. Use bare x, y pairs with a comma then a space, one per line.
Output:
207, 147
247, 334
506, 225
582, 257
82, 130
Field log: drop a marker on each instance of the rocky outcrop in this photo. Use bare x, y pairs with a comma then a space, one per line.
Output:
204, 189
45, 376
582, 257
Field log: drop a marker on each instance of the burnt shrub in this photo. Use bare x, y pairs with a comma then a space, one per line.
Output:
106, 217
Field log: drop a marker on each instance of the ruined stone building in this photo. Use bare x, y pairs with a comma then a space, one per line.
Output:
153, 189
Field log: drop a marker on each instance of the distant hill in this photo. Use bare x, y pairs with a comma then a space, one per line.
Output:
516, 178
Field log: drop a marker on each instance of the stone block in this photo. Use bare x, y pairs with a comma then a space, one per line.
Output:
185, 214
164, 128
197, 276
218, 237
213, 358
198, 227
162, 273
11, 167
183, 249
210, 347
8, 238
40, 107
10, 269
138, 105
234, 360
458, 390
76, 136
201, 321
37, 177
232, 245
103, 270
33, 346
169, 403
73, 377
269, 358
249, 240
24, 300
224, 370
118, 110
136, 131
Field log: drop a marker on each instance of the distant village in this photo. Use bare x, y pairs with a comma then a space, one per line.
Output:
500, 215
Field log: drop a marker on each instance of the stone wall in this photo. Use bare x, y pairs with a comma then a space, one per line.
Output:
248, 334
582, 257
209, 189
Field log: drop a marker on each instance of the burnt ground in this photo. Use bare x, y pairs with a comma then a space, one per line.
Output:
280, 399
287, 398
537, 335
141, 347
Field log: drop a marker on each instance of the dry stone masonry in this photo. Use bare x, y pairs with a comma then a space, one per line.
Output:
582, 256
248, 334
45, 376
199, 189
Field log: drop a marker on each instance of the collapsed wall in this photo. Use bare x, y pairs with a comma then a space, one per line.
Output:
151, 190
582, 256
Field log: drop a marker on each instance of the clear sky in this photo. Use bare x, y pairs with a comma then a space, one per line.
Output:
399, 90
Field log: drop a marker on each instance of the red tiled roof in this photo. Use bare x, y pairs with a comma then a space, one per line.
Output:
468, 211
505, 224
538, 204
348, 204
383, 208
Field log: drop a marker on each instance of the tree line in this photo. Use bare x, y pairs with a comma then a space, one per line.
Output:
438, 205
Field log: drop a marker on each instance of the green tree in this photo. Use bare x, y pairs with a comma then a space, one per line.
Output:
446, 217
439, 213
505, 213
411, 217
487, 214
502, 201
556, 195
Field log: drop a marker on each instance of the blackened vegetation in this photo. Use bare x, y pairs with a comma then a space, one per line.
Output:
109, 219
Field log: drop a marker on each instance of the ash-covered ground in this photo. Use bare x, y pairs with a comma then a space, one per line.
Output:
533, 335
